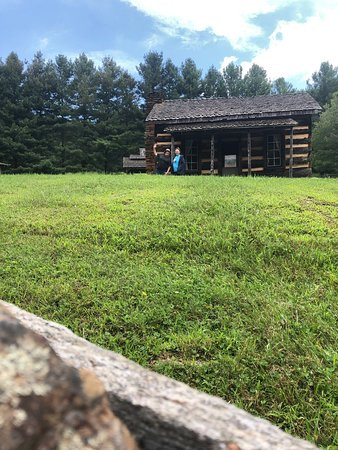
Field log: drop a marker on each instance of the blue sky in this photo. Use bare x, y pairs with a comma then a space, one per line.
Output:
289, 38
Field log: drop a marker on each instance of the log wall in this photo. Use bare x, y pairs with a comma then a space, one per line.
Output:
233, 143
149, 144
301, 151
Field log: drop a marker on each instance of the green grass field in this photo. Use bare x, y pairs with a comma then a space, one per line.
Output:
227, 284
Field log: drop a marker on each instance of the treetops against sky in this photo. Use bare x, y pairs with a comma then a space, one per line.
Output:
288, 38
79, 107
66, 116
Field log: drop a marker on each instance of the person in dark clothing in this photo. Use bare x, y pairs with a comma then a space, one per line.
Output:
162, 161
177, 164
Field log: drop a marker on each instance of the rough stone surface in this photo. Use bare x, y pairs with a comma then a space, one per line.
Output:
46, 404
160, 412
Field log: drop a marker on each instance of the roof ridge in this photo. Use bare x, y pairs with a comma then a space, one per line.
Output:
287, 94
216, 107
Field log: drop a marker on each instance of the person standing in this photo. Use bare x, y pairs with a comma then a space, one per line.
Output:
162, 161
178, 163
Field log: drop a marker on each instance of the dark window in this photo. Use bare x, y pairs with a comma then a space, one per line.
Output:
274, 155
191, 158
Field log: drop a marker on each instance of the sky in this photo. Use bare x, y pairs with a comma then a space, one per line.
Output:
288, 38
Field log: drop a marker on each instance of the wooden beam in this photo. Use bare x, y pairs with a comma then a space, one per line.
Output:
207, 171
301, 128
172, 147
298, 155
163, 135
299, 166
291, 155
212, 154
297, 136
254, 169
253, 158
297, 145
208, 160
167, 143
249, 153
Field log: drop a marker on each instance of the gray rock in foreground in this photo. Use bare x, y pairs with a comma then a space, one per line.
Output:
160, 412
46, 404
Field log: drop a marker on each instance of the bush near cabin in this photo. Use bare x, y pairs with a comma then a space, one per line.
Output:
325, 140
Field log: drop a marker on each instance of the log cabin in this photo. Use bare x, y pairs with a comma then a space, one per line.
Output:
263, 135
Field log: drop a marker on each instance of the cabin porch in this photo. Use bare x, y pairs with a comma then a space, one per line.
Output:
248, 151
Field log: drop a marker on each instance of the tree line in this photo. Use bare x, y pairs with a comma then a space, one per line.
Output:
66, 115
186, 80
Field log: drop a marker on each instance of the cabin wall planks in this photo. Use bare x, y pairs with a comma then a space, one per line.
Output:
167, 126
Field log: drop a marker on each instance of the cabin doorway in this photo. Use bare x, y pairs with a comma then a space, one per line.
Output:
228, 152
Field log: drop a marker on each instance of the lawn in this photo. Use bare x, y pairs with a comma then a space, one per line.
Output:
227, 284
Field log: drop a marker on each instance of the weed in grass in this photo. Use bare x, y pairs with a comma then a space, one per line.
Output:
228, 284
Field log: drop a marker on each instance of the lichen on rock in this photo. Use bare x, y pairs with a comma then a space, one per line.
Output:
46, 404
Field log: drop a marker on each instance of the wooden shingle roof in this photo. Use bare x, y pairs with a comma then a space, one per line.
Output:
213, 109
231, 124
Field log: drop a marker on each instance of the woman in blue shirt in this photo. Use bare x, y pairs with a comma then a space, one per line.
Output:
177, 164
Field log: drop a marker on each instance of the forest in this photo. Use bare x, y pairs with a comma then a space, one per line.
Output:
65, 115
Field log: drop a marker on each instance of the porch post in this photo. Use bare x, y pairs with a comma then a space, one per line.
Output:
172, 146
212, 155
291, 155
249, 154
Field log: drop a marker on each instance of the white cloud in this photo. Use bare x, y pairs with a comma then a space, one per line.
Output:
43, 43
152, 41
296, 49
227, 60
226, 19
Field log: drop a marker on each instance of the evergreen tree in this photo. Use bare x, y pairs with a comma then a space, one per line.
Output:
324, 83
256, 81
214, 84
63, 128
84, 85
281, 86
151, 73
171, 80
233, 79
14, 131
191, 84
127, 99
39, 96
119, 128
107, 93
325, 140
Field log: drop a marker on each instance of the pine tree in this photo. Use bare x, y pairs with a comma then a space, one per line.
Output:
84, 85
191, 84
281, 86
324, 83
118, 116
214, 84
151, 73
63, 128
233, 80
171, 80
256, 81
39, 96
14, 132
